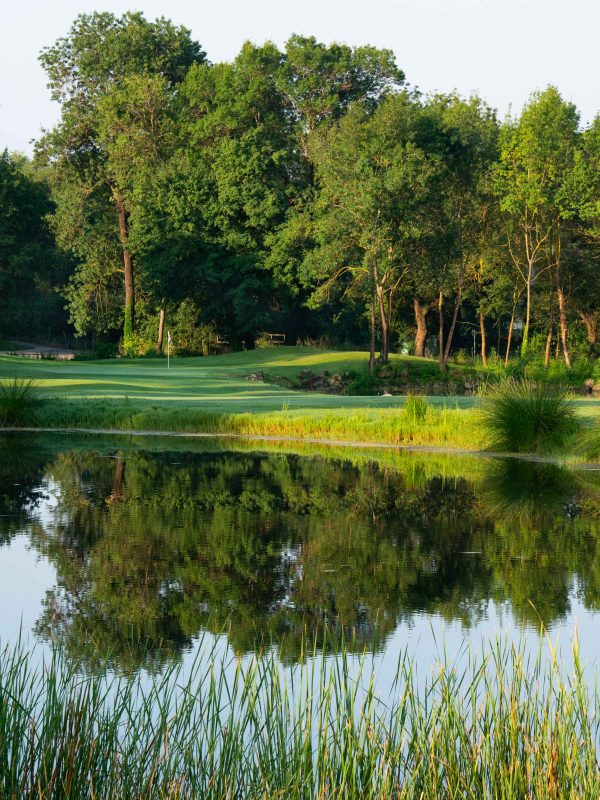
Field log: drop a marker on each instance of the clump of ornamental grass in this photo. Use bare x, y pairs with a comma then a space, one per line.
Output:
416, 407
521, 416
19, 401
589, 444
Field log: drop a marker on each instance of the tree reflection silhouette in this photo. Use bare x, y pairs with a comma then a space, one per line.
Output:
151, 548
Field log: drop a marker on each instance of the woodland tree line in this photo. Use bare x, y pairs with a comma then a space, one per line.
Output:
307, 191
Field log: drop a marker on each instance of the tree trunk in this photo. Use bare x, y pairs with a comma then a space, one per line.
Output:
510, 327
372, 322
527, 312
385, 327
457, 306
372, 342
548, 345
161, 327
441, 329
562, 319
421, 320
590, 320
483, 342
452, 326
129, 325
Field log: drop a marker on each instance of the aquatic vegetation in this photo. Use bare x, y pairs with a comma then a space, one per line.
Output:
505, 725
416, 407
525, 417
19, 400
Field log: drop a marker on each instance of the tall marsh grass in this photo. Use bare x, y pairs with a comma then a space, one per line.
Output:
440, 425
521, 416
19, 401
416, 407
507, 725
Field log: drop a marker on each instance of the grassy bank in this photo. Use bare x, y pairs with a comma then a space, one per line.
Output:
506, 726
441, 426
211, 395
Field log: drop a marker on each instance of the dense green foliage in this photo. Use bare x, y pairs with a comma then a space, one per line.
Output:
32, 269
302, 191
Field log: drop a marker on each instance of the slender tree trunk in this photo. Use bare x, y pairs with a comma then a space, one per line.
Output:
421, 320
453, 324
442, 361
527, 310
510, 327
483, 341
461, 280
129, 325
548, 345
372, 323
161, 327
390, 311
385, 328
562, 320
372, 341
530, 263
457, 306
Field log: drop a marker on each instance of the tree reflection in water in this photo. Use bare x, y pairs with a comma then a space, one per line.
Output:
151, 548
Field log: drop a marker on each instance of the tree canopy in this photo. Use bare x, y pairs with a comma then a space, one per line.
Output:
304, 190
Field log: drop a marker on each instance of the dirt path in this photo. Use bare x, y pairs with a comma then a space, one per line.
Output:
410, 448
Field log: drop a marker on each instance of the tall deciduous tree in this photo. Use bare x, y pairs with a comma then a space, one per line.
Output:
376, 190
110, 75
533, 181
468, 147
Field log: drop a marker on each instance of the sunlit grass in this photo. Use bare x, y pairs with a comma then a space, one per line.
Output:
442, 426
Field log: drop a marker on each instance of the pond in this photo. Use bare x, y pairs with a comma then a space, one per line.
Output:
134, 550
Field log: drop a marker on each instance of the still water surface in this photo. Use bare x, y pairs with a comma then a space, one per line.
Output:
119, 550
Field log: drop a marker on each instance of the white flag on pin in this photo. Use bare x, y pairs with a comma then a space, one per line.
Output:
169, 337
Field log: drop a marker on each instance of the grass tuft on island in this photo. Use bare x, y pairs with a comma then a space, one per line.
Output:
523, 416
507, 724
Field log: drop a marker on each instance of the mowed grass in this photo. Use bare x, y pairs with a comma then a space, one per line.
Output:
214, 383
211, 395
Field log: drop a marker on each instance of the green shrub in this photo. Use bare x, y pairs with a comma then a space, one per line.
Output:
362, 383
102, 350
525, 417
416, 407
19, 399
263, 341
557, 372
